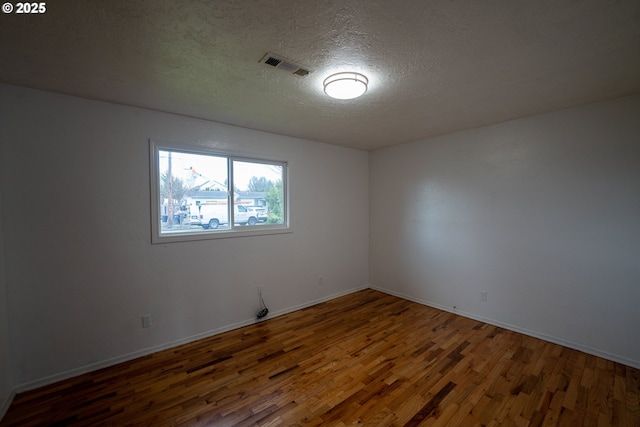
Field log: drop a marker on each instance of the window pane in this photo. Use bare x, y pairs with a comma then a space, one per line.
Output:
259, 192
193, 192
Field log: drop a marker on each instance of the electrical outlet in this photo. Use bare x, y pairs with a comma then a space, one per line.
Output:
320, 281
483, 296
146, 320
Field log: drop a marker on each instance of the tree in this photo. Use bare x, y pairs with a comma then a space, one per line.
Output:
178, 189
274, 203
260, 185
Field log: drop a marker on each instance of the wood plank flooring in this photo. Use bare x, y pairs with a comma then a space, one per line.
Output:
363, 359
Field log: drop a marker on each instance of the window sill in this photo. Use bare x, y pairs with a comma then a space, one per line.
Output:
185, 236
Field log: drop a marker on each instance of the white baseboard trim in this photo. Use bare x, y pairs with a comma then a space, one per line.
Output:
6, 403
313, 302
154, 349
566, 343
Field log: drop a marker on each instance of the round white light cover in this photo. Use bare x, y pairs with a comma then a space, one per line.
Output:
345, 85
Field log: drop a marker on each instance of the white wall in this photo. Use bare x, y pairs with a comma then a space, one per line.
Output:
542, 213
80, 267
6, 383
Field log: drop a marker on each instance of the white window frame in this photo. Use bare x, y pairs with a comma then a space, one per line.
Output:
234, 231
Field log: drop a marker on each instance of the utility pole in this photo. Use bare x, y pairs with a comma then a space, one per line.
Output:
170, 187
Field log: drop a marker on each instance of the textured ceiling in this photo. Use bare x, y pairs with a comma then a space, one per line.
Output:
434, 67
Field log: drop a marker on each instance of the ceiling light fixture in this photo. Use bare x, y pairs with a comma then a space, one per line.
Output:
345, 85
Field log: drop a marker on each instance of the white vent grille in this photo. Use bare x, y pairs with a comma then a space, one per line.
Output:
284, 64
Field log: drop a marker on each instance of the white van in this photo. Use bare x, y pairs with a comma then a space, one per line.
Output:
213, 216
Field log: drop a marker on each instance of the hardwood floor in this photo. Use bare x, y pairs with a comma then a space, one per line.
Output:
364, 359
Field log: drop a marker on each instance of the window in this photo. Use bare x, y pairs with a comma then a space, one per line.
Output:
199, 194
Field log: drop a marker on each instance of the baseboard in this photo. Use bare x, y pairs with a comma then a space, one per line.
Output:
154, 349
311, 303
555, 340
6, 403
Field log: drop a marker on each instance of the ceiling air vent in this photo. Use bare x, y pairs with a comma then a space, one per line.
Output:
284, 64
